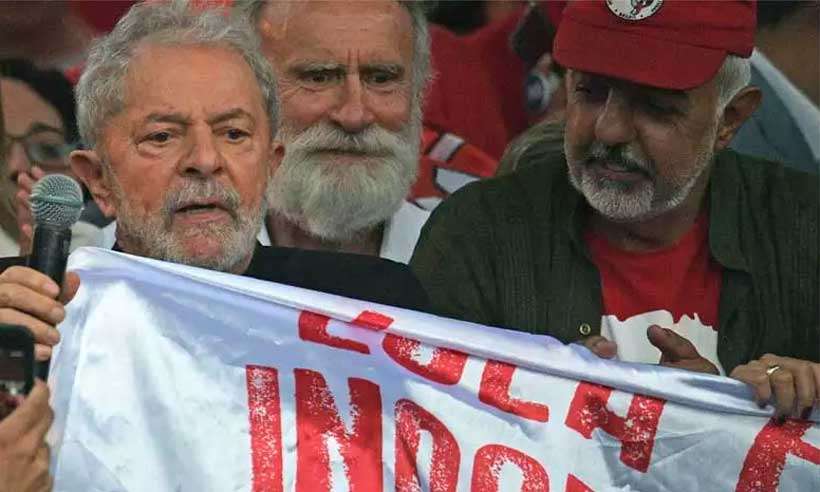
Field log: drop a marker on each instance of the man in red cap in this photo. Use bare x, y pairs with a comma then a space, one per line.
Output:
649, 242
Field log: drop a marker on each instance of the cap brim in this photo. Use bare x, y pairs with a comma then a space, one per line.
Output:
637, 58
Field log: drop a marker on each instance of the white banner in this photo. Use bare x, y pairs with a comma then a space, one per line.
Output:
171, 378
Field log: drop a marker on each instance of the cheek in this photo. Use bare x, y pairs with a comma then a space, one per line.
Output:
580, 126
144, 184
391, 111
143, 192
302, 109
251, 180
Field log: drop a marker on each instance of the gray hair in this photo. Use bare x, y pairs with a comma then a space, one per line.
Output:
542, 142
251, 11
100, 91
734, 75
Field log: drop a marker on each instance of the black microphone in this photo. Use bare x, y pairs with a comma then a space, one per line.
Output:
56, 204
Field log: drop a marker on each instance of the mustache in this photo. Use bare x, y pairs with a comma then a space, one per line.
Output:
197, 191
325, 137
619, 155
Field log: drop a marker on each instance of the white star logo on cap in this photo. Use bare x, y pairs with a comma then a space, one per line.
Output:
634, 10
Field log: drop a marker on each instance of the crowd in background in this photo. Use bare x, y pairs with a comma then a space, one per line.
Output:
486, 98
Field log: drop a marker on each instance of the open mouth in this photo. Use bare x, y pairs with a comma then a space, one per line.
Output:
203, 211
620, 167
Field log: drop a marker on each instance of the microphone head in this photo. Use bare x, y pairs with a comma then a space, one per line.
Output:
56, 201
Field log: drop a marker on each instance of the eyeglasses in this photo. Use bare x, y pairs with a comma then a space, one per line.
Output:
44, 146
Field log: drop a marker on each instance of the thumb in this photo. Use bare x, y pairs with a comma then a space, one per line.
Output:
673, 347
600, 346
71, 283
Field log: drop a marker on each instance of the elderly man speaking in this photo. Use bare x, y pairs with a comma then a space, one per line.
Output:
179, 111
649, 242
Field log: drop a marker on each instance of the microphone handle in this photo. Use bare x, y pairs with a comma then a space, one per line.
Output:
49, 254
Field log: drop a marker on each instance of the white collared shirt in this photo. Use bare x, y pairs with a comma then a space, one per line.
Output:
401, 233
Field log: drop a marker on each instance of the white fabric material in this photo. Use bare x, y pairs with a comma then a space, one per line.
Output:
401, 233
634, 346
173, 378
806, 114
8, 246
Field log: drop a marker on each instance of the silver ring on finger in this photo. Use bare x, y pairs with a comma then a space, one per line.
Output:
772, 369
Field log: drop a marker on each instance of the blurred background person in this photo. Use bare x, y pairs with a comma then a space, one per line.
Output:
40, 131
786, 68
23, 422
53, 33
49, 33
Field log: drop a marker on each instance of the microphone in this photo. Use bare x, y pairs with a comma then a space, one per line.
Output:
56, 204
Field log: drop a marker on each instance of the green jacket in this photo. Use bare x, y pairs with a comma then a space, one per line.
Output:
509, 252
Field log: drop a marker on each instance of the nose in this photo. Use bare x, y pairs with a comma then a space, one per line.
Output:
204, 157
352, 111
16, 161
615, 124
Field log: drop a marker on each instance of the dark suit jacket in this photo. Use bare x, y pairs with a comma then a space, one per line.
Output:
357, 276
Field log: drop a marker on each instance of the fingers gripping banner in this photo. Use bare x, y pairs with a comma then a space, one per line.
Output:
171, 378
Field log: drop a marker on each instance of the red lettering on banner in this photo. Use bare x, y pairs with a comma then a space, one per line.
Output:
411, 419
373, 320
588, 411
495, 391
317, 419
313, 328
487, 469
265, 418
576, 485
445, 367
765, 461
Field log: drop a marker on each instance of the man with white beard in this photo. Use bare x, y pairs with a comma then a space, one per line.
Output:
351, 81
646, 240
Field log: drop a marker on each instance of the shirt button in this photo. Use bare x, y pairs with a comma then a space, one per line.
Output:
585, 329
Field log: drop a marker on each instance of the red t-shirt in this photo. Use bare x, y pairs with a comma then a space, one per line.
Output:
677, 287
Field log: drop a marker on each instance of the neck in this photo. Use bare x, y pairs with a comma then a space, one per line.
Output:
793, 46
286, 234
657, 232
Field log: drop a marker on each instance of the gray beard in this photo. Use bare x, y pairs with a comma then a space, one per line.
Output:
151, 235
340, 201
632, 202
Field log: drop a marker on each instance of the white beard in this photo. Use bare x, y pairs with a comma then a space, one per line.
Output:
338, 201
634, 202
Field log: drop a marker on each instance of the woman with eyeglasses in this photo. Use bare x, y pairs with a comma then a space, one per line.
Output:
39, 133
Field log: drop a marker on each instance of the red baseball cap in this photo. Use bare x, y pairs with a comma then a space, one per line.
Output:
671, 44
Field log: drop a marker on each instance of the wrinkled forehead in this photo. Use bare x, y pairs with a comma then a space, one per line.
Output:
184, 77
337, 25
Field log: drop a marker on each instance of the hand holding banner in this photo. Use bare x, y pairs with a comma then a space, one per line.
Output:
175, 378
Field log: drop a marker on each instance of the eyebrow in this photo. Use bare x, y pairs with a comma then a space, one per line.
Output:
308, 66
40, 127
176, 118
393, 68
228, 115
181, 119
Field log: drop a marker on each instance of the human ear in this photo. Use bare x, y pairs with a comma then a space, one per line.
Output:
88, 166
736, 113
277, 153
